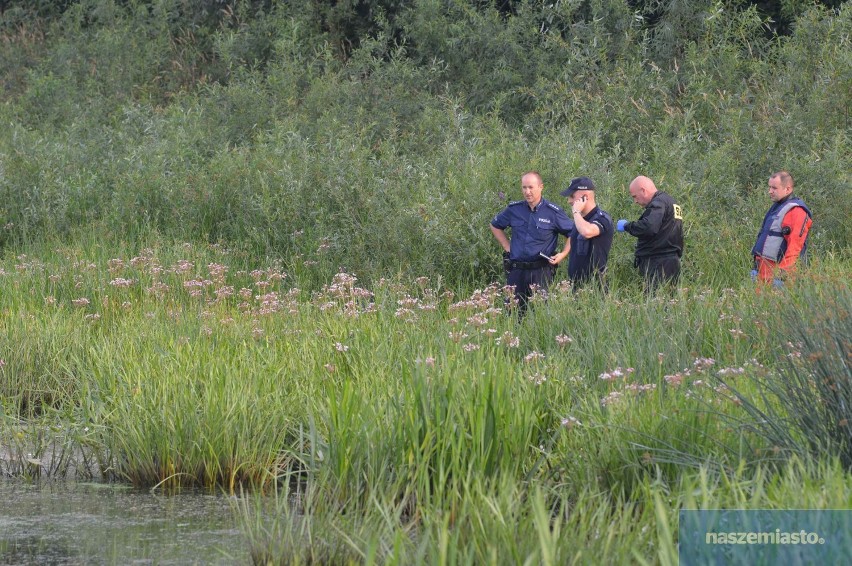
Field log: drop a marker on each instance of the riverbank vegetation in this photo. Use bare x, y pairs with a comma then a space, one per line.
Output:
394, 419
245, 246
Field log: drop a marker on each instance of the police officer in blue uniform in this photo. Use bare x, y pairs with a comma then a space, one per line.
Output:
591, 239
529, 257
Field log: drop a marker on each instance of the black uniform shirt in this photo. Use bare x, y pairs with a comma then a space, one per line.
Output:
660, 228
589, 256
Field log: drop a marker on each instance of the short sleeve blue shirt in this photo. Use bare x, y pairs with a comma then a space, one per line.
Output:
589, 256
533, 230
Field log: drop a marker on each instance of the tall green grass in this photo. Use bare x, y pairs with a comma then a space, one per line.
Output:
407, 421
545, 525
194, 372
394, 159
803, 405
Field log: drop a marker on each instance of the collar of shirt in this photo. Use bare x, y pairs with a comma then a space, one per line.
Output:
591, 214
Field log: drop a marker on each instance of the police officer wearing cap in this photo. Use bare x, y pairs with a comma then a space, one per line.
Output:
535, 224
658, 232
591, 238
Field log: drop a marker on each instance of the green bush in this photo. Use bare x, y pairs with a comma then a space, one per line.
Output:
126, 118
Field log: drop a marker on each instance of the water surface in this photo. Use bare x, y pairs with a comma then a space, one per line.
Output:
72, 523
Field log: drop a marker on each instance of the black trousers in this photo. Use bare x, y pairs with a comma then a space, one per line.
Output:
658, 270
525, 279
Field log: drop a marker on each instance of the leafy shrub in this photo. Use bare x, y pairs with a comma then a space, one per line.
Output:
126, 119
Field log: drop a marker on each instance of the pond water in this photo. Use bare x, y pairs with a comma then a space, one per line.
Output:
69, 523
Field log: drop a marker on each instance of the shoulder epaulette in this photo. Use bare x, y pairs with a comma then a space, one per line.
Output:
514, 202
555, 207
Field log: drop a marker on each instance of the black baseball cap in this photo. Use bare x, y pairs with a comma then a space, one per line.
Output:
578, 184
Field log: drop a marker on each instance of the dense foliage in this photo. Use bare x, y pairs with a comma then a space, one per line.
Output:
389, 133
241, 241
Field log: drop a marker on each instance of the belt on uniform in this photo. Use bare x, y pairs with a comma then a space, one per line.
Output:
530, 264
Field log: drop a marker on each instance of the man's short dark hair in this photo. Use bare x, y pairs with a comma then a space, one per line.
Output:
785, 178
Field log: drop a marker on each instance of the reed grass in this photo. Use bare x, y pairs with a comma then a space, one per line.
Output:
407, 421
504, 522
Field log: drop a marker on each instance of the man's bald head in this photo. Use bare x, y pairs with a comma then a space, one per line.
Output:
642, 189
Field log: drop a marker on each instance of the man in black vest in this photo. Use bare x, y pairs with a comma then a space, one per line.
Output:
659, 233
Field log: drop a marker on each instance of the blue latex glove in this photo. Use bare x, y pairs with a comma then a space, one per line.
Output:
753, 274
777, 283
620, 225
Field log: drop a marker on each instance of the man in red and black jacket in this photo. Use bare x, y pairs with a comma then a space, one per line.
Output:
783, 236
